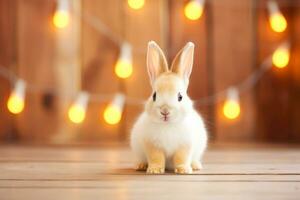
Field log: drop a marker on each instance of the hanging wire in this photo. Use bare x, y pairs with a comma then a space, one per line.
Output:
248, 83
102, 28
98, 25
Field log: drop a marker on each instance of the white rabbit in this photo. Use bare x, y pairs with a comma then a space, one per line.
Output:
169, 133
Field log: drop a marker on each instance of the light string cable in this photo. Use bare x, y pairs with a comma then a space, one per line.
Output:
248, 83
99, 26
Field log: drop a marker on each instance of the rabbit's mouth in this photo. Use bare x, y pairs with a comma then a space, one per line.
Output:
165, 118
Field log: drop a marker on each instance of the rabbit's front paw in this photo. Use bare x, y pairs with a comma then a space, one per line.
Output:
183, 170
196, 165
155, 170
141, 167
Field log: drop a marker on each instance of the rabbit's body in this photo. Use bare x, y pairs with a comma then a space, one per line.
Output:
169, 138
169, 133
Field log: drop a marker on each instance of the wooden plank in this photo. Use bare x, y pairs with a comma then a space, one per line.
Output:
53, 172
215, 154
8, 61
67, 72
273, 88
99, 54
35, 65
111, 179
233, 61
148, 190
96, 170
295, 74
93, 164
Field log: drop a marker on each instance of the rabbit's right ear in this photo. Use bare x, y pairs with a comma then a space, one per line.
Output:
156, 61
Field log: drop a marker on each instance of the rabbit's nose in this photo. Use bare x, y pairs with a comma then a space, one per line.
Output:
164, 111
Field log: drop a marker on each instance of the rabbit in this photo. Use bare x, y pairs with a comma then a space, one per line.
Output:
169, 134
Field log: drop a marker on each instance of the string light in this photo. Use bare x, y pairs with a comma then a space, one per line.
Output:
61, 17
123, 68
16, 102
277, 20
231, 107
193, 10
113, 112
77, 111
136, 4
281, 56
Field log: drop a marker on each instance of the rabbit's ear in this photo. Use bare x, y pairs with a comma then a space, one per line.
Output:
156, 61
183, 61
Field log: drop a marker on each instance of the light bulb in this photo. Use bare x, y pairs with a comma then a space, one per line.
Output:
16, 102
77, 110
281, 56
61, 17
277, 20
136, 4
193, 9
113, 112
123, 67
231, 107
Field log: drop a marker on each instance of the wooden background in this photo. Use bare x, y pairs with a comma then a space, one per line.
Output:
232, 38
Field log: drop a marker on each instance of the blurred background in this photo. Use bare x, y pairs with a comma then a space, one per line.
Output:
74, 71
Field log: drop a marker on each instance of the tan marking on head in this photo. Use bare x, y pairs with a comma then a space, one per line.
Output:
167, 83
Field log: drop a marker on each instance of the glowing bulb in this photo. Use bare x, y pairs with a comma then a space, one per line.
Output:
61, 18
231, 107
281, 56
123, 67
113, 112
277, 20
76, 114
112, 115
77, 111
194, 9
136, 4
16, 103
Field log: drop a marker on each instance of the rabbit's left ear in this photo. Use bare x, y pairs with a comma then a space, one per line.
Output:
183, 62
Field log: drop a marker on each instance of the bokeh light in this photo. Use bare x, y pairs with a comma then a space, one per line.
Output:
76, 113
278, 22
281, 57
15, 103
123, 68
136, 4
231, 109
112, 114
193, 10
61, 19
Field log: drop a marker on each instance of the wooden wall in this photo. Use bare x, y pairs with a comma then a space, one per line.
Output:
7, 60
232, 38
277, 99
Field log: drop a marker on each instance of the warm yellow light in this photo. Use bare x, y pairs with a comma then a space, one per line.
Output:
76, 113
136, 4
281, 57
278, 22
15, 103
123, 68
193, 10
112, 114
231, 109
61, 18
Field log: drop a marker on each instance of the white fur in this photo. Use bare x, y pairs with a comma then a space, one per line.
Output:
184, 126
169, 137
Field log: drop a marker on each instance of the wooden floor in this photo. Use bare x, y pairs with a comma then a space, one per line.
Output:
106, 173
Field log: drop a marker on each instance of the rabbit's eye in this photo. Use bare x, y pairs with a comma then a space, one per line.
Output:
179, 96
154, 96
